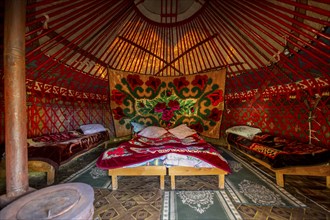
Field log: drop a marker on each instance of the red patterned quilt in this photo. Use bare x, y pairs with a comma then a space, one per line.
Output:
141, 149
57, 149
280, 152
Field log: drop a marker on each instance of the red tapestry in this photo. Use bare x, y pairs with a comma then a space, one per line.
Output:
197, 100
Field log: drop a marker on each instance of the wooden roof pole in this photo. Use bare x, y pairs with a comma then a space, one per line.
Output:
17, 182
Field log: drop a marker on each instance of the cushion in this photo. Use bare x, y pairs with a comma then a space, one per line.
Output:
182, 131
32, 143
137, 127
152, 132
92, 128
49, 139
244, 130
56, 137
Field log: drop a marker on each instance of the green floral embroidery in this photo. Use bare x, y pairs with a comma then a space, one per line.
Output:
167, 107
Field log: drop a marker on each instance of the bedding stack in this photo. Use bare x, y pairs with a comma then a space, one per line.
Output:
156, 151
59, 148
153, 145
276, 151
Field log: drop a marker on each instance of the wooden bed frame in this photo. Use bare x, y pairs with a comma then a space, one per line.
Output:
138, 171
192, 171
161, 171
313, 170
41, 166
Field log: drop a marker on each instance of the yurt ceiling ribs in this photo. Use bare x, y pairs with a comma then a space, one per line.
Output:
104, 42
279, 32
235, 39
208, 46
55, 25
88, 36
275, 29
36, 16
186, 52
147, 51
56, 42
306, 7
269, 13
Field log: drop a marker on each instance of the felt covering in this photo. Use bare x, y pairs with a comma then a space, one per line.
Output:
196, 100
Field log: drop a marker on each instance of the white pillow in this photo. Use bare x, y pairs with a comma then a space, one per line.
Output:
152, 132
182, 131
244, 130
92, 128
137, 127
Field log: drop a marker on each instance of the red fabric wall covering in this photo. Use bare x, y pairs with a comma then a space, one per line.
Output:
61, 99
50, 113
55, 73
282, 115
280, 104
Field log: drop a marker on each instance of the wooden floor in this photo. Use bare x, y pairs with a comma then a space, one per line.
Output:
309, 190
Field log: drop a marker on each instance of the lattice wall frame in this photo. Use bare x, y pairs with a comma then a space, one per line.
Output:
286, 116
49, 113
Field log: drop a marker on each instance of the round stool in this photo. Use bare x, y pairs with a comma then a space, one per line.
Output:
63, 201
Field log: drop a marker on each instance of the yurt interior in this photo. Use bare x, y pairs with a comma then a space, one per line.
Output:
165, 109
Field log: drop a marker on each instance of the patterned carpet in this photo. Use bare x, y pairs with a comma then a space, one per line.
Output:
127, 204
140, 197
198, 205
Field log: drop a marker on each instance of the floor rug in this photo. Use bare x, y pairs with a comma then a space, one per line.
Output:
91, 175
246, 185
127, 204
198, 205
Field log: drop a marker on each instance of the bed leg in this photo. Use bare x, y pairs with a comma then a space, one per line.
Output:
114, 181
172, 181
327, 182
221, 179
162, 182
40, 166
279, 179
50, 175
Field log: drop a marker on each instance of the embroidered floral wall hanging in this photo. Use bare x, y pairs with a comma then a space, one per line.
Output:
197, 100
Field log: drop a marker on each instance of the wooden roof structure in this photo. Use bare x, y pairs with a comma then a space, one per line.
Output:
173, 38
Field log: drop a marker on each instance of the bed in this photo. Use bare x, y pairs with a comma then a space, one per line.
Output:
156, 151
281, 155
48, 152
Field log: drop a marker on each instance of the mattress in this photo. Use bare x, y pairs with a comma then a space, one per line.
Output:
280, 152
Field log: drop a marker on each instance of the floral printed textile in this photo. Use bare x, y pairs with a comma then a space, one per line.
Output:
196, 100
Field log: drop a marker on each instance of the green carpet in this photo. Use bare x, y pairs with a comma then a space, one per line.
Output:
91, 175
198, 205
246, 185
